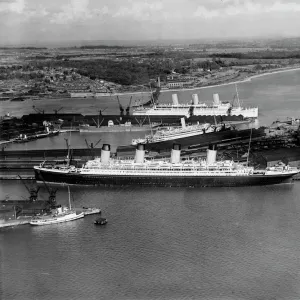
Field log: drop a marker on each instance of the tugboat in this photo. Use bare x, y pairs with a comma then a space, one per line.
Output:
59, 215
100, 221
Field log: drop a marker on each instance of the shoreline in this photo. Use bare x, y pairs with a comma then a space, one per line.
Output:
246, 79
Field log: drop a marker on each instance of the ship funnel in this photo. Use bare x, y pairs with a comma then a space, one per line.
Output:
175, 154
105, 153
175, 99
182, 120
211, 154
216, 99
140, 153
195, 99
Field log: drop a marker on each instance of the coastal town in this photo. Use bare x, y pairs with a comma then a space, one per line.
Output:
98, 71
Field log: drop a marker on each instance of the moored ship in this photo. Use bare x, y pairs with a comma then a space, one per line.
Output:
172, 133
58, 215
218, 108
111, 127
174, 172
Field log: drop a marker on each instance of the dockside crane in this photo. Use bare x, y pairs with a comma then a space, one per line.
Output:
33, 192
39, 111
121, 107
156, 94
52, 194
91, 147
101, 111
128, 107
69, 155
57, 110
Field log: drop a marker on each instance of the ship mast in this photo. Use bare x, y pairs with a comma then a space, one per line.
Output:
150, 126
69, 198
237, 96
68, 148
151, 95
249, 147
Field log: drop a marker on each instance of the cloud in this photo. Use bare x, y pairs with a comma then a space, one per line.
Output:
284, 7
76, 10
145, 19
205, 13
246, 8
16, 6
139, 10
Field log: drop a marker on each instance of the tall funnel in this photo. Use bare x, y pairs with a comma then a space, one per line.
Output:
195, 99
140, 154
105, 153
211, 154
175, 154
175, 99
216, 99
182, 120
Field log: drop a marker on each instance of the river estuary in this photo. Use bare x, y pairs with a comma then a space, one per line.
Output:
161, 243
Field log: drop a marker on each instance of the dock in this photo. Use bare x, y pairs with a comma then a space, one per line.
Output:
16, 177
24, 220
17, 222
21, 162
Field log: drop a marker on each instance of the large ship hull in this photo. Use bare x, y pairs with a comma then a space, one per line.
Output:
115, 128
200, 140
246, 113
165, 181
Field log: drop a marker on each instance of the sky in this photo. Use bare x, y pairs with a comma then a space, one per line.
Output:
47, 21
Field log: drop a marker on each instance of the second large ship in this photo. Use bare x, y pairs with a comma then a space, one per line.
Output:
217, 108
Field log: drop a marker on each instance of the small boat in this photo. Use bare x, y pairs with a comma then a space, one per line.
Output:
58, 215
100, 221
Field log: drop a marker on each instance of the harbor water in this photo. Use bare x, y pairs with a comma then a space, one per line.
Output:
164, 243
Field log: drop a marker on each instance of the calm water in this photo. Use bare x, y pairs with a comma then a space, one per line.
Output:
276, 96
165, 243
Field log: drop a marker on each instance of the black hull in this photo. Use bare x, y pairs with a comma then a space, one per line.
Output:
134, 119
188, 181
200, 140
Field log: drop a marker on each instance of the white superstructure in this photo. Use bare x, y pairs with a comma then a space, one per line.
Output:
174, 167
217, 108
60, 216
171, 133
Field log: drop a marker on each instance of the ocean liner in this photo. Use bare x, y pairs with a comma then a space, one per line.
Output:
171, 133
174, 172
218, 108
